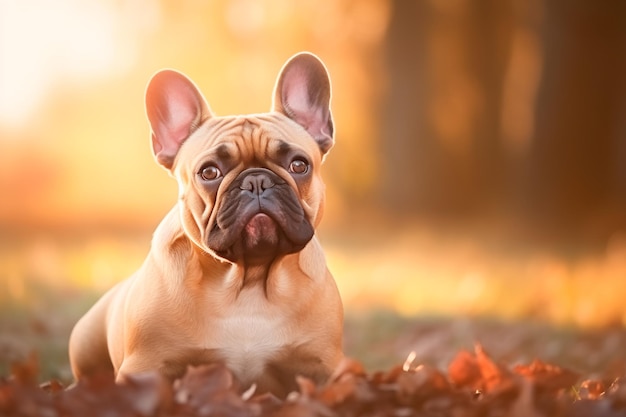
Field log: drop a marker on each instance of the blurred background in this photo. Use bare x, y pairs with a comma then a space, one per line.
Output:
479, 168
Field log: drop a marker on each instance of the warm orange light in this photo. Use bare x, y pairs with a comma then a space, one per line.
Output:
46, 44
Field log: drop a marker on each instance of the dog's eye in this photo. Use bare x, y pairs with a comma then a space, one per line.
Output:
210, 173
298, 166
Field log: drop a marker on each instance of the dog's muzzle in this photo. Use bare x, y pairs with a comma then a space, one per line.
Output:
260, 217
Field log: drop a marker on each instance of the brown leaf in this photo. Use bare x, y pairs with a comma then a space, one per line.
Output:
52, 387
420, 384
347, 366
148, 393
547, 376
494, 376
306, 386
524, 404
265, 400
302, 409
7, 397
387, 377
464, 371
338, 391
203, 383
96, 395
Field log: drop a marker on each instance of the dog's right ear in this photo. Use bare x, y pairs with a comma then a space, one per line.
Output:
175, 109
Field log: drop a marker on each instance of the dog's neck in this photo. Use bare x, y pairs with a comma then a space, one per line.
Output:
255, 274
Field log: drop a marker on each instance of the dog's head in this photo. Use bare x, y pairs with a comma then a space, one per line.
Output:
250, 186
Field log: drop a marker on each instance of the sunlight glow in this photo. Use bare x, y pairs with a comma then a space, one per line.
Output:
44, 43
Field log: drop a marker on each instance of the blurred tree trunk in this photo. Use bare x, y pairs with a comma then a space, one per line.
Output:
574, 174
410, 156
491, 31
440, 140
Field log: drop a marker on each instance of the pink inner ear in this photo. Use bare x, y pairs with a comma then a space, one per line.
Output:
314, 117
296, 93
168, 140
176, 120
175, 109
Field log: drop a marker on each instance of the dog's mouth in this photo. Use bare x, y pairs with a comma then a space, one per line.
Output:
259, 219
260, 237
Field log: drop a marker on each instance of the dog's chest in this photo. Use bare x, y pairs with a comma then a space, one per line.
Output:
249, 335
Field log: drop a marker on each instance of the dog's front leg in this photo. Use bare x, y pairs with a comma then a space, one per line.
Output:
137, 363
88, 347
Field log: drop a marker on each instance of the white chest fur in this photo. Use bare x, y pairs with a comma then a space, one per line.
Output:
249, 334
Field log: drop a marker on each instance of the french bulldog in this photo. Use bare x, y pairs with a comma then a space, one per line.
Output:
235, 273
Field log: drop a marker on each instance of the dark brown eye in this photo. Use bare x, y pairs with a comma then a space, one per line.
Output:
210, 173
298, 166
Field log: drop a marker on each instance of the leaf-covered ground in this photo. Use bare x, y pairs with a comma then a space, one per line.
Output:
401, 367
473, 384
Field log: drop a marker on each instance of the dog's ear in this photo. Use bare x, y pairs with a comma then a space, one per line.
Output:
175, 108
302, 93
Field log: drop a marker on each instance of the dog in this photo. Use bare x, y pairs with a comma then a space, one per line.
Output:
235, 274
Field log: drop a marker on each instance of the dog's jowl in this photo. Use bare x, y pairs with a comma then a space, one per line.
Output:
235, 273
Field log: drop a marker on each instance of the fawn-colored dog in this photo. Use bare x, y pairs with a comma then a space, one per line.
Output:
235, 273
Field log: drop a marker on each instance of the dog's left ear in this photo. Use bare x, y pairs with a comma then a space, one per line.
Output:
302, 93
175, 109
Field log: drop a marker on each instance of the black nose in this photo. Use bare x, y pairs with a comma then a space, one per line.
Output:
257, 183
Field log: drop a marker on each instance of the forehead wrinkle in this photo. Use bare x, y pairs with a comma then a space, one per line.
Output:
252, 140
209, 135
273, 139
223, 152
242, 149
282, 148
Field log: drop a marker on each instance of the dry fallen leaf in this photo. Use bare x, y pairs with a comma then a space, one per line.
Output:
547, 376
494, 376
464, 371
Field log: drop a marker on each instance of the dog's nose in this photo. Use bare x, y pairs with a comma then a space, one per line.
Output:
257, 183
